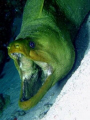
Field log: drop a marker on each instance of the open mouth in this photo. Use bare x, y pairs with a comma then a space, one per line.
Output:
32, 73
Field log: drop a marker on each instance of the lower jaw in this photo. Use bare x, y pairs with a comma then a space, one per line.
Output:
30, 88
25, 105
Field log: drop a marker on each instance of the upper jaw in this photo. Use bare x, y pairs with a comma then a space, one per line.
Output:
32, 73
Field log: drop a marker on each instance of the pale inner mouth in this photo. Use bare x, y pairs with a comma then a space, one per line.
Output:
32, 73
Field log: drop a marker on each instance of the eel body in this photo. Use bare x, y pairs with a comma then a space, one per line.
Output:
43, 52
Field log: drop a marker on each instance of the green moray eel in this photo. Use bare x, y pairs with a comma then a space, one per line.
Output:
43, 52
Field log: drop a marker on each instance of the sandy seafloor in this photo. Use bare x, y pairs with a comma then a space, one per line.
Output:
67, 100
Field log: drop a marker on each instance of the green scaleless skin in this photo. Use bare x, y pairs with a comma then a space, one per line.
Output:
43, 51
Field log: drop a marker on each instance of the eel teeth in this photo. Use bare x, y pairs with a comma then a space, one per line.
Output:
20, 65
16, 54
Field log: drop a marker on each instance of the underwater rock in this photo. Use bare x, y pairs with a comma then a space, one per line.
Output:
43, 114
12, 118
48, 105
19, 113
4, 101
16, 114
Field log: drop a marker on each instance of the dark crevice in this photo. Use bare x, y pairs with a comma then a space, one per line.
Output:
31, 86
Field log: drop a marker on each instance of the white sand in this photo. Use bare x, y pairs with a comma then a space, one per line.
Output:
73, 103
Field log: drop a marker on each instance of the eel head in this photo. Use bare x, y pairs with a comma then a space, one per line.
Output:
34, 71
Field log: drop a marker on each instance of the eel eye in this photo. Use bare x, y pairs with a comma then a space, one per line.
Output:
32, 44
